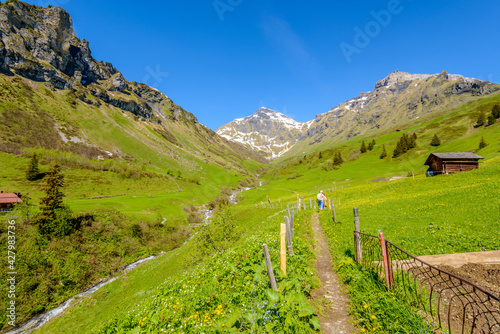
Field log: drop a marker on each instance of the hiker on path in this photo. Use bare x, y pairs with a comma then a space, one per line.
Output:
321, 199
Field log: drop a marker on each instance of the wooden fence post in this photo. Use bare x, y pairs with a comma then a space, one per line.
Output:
283, 248
303, 203
357, 237
298, 204
385, 258
288, 208
292, 223
289, 236
269, 266
333, 209
310, 204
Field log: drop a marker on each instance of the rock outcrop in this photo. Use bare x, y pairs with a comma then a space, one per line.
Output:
40, 44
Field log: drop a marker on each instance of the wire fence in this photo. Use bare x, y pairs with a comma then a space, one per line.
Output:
451, 302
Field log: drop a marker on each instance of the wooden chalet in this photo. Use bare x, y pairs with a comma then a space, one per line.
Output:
8, 200
444, 163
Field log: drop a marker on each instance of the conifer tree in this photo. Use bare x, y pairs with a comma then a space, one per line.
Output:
435, 141
397, 151
52, 201
33, 171
370, 146
337, 159
495, 111
363, 147
384, 152
405, 143
481, 120
491, 119
414, 139
320, 156
482, 143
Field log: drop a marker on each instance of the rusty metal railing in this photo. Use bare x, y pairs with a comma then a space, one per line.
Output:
453, 303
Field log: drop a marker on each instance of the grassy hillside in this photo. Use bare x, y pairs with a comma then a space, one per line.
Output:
131, 205
456, 129
208, 286
127, 181
443, 214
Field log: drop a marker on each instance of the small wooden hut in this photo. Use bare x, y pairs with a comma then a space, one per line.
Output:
8, 200
444, 163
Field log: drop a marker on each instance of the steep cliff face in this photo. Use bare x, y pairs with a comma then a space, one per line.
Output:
40, 44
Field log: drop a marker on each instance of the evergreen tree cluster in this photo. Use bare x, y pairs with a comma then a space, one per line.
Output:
371, 145
405, 143
337, 159
495, 113
491, 119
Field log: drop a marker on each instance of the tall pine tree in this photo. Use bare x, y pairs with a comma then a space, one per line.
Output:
495, 111
481, 119
482, 143
384, 152
52, 201
363, 147
33, 171
491, 119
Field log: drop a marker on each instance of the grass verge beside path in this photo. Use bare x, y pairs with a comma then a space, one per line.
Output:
375, 310
223, 292
439, 215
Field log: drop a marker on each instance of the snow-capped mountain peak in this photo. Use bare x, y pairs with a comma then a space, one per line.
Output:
267, 131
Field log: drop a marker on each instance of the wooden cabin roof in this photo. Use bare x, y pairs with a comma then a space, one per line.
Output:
453, 156
8, 198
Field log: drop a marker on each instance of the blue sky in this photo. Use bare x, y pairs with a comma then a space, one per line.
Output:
224, 59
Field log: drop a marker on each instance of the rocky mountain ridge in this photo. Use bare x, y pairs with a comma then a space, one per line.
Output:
398, 98
55, 95
40, 44
266, 131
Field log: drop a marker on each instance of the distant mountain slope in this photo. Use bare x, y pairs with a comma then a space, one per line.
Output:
266, 131
54, 94
396, 99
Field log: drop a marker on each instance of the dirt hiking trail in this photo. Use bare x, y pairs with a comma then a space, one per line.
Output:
333, 316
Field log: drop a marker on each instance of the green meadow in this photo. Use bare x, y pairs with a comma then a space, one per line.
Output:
137, 210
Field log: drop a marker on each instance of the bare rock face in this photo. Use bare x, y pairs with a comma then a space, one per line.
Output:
399, 77
40, 44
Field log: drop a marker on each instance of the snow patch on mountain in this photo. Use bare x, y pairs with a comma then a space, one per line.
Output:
266, 131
